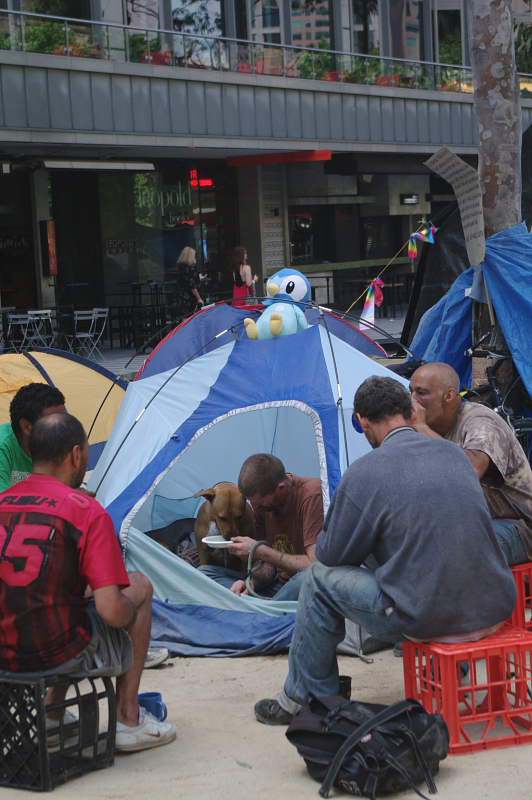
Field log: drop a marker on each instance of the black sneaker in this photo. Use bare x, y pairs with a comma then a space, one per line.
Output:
398, 649
269, 712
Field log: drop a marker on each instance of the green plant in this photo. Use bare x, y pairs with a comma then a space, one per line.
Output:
5, 41
450, 49
314, 64
139, 45
365, 70
523, 47
43, 37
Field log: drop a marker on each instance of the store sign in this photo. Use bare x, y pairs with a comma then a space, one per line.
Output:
14, 243
173, 202
117, 247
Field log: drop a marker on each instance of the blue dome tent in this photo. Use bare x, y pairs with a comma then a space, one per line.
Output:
194, 423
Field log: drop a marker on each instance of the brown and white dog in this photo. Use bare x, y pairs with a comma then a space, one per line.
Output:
225, 513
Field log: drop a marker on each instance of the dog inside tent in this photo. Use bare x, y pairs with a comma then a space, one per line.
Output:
193, 424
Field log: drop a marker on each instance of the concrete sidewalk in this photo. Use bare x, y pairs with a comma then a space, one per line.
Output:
223, 753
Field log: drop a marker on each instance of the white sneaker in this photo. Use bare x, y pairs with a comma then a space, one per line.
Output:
155, 656
150, 732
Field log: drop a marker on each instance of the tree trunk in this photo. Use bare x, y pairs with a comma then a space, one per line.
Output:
498, 108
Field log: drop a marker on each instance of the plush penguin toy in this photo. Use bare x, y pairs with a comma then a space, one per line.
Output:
288, 292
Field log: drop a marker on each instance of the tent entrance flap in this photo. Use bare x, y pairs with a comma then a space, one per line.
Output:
290, 431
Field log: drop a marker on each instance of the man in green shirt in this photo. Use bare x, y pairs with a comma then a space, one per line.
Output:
29, 404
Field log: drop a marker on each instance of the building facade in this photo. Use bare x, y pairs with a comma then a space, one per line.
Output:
296, 129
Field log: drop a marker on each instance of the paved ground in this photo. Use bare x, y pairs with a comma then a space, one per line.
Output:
222, 753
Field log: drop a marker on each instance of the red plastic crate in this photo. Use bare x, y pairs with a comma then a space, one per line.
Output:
522, 616
482, 689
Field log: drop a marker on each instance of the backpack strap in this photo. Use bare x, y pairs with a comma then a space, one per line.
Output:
386, 715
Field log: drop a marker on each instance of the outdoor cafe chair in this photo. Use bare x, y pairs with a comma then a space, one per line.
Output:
41, 331
17, 332
88, 329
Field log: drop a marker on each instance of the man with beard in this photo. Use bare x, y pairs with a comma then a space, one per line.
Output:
67, 604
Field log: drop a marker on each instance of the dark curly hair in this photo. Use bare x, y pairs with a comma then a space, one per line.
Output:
378, 398
30, 401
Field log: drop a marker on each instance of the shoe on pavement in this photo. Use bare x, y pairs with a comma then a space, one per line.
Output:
398, 649
150, 732
155, 657
269, 712
53, 728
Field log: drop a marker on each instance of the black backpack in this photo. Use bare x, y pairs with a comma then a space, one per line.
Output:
368, 749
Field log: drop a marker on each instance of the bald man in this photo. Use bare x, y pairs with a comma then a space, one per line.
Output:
491, 446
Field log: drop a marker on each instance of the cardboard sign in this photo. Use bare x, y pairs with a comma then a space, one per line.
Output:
466, 186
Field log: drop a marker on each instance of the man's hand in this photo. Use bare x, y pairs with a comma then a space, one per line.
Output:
419, 418
419, 421
239, 588
241, 546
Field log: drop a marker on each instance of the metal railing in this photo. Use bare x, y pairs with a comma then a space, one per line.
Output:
62, 36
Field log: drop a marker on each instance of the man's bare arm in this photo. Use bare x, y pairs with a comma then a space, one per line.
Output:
115, 606
284, 562
480, 461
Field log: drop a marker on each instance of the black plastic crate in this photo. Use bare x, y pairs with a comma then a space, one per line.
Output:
32, 757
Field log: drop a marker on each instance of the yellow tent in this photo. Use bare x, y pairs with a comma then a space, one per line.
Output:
92, 393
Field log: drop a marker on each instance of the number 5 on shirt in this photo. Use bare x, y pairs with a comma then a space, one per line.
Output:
22, 545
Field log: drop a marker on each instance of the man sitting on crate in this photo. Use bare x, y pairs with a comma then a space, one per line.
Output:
416, 506
492, 447
57, 547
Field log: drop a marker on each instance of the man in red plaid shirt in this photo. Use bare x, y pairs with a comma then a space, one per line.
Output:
67, 604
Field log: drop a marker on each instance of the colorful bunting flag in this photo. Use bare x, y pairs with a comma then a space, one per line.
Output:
426, 234
374, 297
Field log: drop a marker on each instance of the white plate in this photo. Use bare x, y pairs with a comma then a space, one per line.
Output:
216, 542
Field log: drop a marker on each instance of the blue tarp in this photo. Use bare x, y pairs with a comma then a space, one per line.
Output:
444, 332
189, 630
508, 274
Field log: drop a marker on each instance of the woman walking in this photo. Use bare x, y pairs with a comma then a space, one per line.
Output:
188, 296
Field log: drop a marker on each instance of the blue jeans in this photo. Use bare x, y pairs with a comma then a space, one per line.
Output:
510, 541
278, 590
328, 596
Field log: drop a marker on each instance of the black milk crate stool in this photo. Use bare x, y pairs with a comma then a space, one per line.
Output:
34, 757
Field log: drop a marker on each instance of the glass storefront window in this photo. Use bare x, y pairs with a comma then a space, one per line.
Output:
321, 234
120, 234
146, 220
366, 27
407, 29
311, 23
